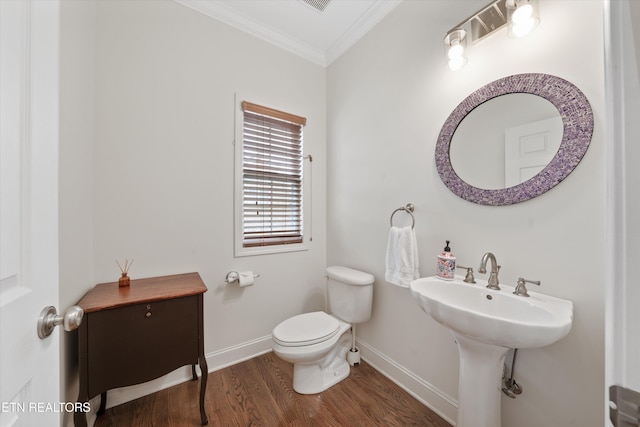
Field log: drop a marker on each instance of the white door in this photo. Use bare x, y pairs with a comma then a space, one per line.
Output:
529, 148
29, 366
622, 353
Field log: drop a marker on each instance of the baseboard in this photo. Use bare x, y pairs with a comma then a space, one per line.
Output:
239, 353
426, 393
215, 361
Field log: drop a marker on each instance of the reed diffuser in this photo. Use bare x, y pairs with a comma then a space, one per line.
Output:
124, 279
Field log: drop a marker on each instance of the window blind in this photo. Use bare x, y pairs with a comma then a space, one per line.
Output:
271, 177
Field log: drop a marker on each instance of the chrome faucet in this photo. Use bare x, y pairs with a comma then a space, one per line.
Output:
494, 282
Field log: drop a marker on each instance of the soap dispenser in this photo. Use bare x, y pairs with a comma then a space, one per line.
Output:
446, 264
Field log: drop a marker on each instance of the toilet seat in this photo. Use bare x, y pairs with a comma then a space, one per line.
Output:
306, 329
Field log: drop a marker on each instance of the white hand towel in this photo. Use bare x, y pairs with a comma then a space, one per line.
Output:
402, 257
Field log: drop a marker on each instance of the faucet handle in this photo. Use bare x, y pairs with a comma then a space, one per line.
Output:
521, 289
469, 277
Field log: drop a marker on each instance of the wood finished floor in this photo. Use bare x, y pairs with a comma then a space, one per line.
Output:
258, 392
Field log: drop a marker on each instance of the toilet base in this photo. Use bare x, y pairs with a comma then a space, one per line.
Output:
313, 378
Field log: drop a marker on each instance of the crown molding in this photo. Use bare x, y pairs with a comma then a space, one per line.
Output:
229, 16
370, 19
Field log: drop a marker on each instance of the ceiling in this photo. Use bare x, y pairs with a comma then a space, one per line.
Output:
299, 26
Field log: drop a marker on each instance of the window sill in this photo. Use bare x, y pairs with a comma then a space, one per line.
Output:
267, 250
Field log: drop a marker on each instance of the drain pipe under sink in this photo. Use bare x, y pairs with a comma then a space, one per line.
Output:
511, 388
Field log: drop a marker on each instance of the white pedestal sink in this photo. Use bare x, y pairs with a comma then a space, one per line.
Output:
486, 324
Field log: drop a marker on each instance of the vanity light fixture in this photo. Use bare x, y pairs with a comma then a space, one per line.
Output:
520, 16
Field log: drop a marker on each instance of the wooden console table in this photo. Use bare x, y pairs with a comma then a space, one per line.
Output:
134, 334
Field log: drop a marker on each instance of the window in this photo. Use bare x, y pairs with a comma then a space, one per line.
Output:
271, 182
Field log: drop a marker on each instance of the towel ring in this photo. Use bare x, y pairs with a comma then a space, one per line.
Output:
408, 209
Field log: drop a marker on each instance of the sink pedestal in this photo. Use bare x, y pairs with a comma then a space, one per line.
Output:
479, 386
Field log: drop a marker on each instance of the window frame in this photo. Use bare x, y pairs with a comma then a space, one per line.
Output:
240, 249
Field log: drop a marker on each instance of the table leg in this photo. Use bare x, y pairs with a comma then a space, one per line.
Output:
203, 387
103, 403
80, 417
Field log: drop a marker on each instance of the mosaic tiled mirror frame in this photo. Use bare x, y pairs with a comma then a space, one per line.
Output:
577, 119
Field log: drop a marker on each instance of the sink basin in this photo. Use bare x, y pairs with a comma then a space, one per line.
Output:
494, 317
486, 324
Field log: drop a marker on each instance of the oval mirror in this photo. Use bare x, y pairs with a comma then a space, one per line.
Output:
514, 139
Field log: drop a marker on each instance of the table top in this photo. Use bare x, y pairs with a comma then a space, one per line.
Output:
110, 295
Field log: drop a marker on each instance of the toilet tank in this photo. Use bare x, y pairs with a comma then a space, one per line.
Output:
350, 293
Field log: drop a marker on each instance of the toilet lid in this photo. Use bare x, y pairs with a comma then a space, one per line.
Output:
306, 329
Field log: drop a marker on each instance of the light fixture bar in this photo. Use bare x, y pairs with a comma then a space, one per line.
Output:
485, 21
488, 20
520, 16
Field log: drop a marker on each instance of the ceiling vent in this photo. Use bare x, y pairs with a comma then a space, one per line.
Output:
319, 5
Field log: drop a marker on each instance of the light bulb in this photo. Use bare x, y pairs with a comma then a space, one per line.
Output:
455, 51
454, 43
522, 14
456, 63
521, 29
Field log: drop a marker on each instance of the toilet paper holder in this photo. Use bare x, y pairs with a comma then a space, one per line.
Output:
234, 276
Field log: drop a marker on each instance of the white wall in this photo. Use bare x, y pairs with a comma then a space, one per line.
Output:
75, 169
163, 163
387, 99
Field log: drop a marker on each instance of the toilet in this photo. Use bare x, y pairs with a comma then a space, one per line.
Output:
318, 343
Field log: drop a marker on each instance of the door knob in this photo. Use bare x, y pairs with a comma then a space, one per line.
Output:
49, 319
